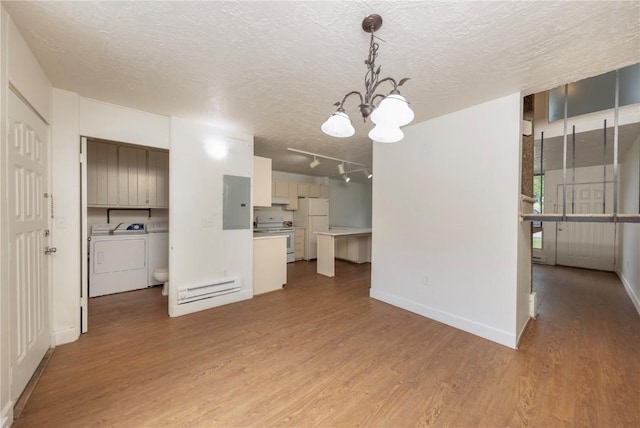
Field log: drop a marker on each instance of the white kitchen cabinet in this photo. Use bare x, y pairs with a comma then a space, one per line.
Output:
158, 175
293, 197
262, 186
269, 263
314, 190
303, 189
356, 249
341, 248
281, 189
102, 174
299, 243
132, 177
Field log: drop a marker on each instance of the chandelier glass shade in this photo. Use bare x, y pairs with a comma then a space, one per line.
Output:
390, 113
393, 110
338, 125
386, 133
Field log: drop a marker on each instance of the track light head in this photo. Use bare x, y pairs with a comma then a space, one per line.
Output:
346, 178
315, 162
341, 168
367, 173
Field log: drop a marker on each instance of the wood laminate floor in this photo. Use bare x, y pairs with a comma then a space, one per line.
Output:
322, 353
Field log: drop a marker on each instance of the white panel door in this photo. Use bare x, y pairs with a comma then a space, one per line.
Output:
27, 171
586, 245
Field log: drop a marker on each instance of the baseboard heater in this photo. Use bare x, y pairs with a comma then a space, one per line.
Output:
207, 291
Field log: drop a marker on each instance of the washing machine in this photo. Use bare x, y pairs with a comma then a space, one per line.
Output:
117, 258
158, 233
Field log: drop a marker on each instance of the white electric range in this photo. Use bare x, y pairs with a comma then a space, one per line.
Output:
276, 226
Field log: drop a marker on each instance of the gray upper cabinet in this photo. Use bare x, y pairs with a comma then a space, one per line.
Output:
158, 169
102, 174
124, 176
132, 177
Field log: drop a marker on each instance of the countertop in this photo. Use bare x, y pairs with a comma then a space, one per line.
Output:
345, 231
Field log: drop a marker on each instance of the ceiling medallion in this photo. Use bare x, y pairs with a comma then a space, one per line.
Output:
392, 111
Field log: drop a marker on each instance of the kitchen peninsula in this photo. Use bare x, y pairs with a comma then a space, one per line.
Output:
353, 244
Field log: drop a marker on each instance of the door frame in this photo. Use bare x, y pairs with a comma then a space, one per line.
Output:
84, 237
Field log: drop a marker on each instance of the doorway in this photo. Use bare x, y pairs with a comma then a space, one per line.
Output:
124, 190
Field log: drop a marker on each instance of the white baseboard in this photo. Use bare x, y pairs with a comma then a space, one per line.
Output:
499, 336
67, 335
524, 327
7, 415
627, 286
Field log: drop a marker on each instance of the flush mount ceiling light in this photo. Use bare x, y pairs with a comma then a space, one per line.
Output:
315, 162
388, 115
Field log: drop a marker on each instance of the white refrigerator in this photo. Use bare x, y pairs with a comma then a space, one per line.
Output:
313, 215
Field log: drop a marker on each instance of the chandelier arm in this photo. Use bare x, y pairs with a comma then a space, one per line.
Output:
386, 79
347, 96
374, 99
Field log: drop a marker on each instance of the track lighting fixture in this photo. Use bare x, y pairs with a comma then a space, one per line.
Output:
341, 168
388, 115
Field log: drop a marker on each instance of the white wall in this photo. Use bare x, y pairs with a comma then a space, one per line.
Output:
26, 75
628, 260
349, 204
298, 178
201, 254
452, 216
99, 216
123, 124
66, 228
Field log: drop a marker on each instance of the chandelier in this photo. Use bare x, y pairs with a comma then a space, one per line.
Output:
388, 115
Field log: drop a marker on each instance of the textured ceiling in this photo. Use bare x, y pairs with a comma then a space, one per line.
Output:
274, 69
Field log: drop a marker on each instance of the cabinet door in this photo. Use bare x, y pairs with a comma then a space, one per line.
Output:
158, 175
132, 177
262, 186
282, 189
314, 190
324, 191
303, 189
102, 174
299, 244
293, 197
341, 247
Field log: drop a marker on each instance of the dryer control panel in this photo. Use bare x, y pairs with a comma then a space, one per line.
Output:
117, 229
